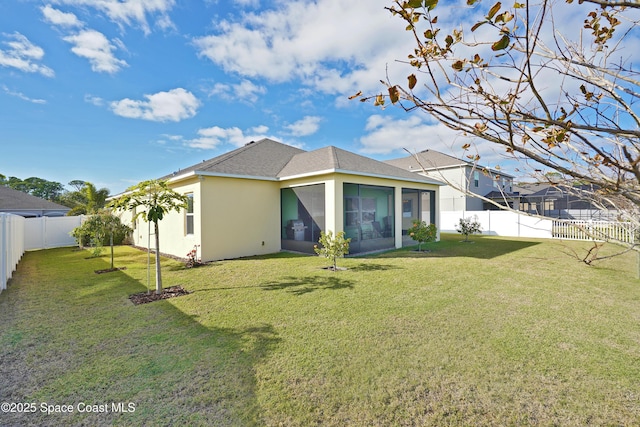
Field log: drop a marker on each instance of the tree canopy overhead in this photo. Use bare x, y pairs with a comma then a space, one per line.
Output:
39, 187
553, 84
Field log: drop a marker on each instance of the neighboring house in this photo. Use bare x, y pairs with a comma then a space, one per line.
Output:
559, 201
267, 196
23, 204
460, 174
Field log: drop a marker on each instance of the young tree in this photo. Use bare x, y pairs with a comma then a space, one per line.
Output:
157, 199
332, 248
101, 228
468, 226
422, 233
551, 84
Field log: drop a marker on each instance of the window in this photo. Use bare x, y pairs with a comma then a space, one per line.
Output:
189, 215
476, 179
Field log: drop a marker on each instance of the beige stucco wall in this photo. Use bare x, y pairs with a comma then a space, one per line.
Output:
172, 228
239, 217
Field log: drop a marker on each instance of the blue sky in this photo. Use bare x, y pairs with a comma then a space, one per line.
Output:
118, 91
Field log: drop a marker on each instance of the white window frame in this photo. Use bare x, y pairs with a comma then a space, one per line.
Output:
189, 215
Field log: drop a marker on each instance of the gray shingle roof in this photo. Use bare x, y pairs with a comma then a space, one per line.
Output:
337, 159
271, 159
429, 159
264, 158
12, 200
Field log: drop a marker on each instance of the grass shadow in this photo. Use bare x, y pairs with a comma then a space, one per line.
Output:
99, 347
373, 267
305, 285
452, 245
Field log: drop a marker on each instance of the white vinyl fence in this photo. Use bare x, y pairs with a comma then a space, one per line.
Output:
515, 224
18, 234
594, 230
500, 223
50, 232
11, 246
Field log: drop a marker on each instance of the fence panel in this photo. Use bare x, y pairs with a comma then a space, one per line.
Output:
11, 246
50, 232
500, 223
594, 230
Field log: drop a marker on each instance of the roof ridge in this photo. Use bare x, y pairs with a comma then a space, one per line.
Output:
231, 154
334, 154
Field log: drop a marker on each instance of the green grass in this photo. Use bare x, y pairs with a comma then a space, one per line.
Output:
497, 332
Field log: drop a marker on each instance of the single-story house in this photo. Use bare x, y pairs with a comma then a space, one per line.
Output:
23, 204
461, 174
266, 197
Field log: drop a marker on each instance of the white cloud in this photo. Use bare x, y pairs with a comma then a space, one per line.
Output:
87, 43
386, 134
22, 96
95, 100
23, 55
58, 17
245, 91
131, 12
306, 126
321, 44
175, 105
248, 3
94, 46
212, 137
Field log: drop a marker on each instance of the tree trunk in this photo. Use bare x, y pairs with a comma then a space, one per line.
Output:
158, 276
111, 244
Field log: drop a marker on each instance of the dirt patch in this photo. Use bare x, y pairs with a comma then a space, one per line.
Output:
109, 270
144, 297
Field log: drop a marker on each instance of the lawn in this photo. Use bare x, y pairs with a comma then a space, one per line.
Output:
495, 332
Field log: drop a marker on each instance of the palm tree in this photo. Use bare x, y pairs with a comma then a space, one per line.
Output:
86, 199
157, 199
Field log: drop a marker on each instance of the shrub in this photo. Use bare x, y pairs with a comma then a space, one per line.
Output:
192, 258
332, 248
96, 230
422, 233
468, 226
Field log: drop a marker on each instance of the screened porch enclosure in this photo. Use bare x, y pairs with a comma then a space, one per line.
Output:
369, 217
416, 205
303, 217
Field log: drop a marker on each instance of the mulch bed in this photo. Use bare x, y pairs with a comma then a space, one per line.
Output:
144, 297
